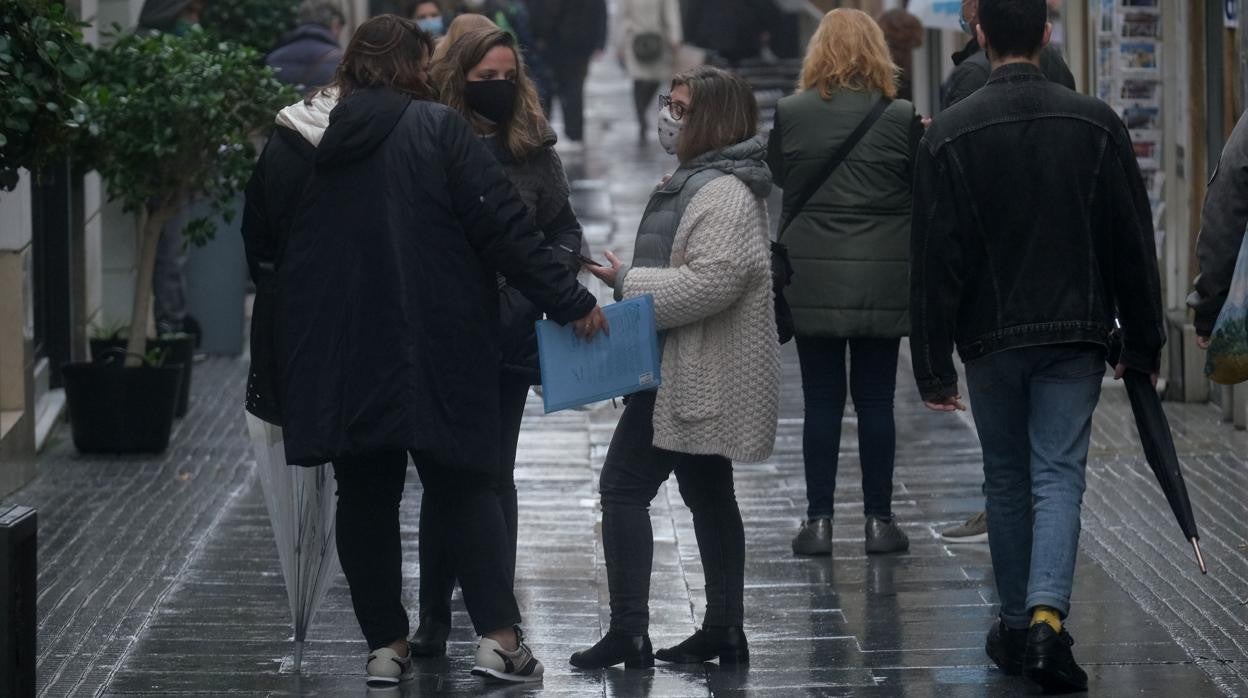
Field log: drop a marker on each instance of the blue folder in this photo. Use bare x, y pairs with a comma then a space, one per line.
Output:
576, 372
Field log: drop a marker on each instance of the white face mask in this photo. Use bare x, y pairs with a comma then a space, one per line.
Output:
669, 131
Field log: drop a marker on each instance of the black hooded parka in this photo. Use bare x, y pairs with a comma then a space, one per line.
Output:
388, 312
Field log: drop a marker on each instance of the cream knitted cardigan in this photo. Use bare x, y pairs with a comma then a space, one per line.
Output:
720, 393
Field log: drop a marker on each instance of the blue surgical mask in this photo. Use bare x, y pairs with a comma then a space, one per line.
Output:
434, 26
966, 26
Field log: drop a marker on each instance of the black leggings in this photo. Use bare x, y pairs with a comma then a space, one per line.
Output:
437, 576
370, 489
631, 476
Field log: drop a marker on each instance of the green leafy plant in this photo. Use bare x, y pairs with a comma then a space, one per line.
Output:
175, 117
43, 62
108, 331
258, 24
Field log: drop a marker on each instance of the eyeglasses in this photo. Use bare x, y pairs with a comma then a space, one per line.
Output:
676, 109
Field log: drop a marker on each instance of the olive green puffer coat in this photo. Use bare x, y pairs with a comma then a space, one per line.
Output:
850, 244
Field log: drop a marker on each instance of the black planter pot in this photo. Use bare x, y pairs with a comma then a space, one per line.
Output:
177, 351
113, 409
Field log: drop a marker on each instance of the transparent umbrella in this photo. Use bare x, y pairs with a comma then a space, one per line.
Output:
301, 504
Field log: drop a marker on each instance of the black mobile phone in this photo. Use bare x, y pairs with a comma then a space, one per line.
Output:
587, 260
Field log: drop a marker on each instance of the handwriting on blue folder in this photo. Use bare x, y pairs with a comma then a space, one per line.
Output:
576, 372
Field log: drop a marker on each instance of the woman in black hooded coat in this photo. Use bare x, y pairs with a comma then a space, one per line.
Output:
386, 330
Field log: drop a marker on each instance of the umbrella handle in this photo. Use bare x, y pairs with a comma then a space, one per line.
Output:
1200, 559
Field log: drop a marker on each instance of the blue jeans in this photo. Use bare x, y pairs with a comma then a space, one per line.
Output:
872, 382
1033, 409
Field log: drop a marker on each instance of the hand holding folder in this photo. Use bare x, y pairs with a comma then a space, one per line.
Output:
577, 372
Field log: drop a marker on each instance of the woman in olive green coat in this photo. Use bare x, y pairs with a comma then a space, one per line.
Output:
849, 245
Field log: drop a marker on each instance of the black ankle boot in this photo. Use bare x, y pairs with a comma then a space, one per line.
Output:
430, 638
634, 651
726, 642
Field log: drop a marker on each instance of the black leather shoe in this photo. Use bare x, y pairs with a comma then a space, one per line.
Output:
814, 537
726, 642
1048, 661
633, 651
1006, 647
430, 638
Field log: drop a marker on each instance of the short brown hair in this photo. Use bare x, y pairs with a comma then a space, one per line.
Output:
386, 51
722, 112
526, 132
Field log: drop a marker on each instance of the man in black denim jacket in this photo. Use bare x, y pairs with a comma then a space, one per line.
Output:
1032, 233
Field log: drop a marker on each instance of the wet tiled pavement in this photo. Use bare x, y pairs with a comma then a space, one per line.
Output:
159, 576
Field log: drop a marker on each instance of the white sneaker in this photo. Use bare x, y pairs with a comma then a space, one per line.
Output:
494, 662
386, 668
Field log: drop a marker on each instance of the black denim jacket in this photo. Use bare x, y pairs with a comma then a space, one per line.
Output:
1031, 227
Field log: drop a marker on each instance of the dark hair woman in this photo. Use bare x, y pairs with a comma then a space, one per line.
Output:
380, 234
483, 78
702, 253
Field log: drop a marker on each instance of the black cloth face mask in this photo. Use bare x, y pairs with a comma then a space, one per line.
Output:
493, 99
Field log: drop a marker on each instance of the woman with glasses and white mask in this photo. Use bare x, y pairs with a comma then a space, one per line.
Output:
702, 253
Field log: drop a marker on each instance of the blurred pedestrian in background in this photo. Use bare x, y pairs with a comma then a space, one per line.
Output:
483, 78
971, 69
702, 253
971, 72
308, 57
430, 16
569, 34
1222, 222
846, 223
649, 37
903, 32
1032, 239
170, 309
387, 323
731, 29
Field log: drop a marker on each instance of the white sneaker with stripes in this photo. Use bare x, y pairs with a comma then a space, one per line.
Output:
494, 662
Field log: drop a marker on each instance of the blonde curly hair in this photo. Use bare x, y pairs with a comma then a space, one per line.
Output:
848, 52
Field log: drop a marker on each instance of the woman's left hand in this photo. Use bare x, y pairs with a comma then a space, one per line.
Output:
608, 275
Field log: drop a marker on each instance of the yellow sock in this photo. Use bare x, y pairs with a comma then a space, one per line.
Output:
1044, 614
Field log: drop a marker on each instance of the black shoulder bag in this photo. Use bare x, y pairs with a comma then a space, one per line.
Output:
781, 267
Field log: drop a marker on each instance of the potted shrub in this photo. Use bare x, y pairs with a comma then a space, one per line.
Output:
175, 349
43, 63
170, 117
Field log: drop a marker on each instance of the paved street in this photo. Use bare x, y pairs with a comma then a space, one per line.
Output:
159, 576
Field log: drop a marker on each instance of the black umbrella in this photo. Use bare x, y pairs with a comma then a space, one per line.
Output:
1154, 430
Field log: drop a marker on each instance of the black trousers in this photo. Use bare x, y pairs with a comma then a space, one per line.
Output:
437, 575
370, 489
568, 73
643, 92
631, 476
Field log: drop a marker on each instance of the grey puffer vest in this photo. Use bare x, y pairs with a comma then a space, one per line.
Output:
744, 160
